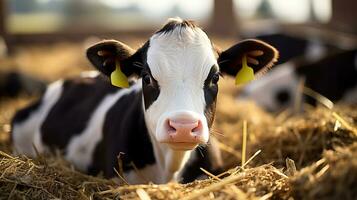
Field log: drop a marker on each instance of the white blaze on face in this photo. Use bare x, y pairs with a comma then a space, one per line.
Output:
180, 61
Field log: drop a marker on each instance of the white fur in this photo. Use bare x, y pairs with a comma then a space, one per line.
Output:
81, 147
150, 173
89, 74
27, 133
168, 162
315, 50
180, 61
155, 173
263, 90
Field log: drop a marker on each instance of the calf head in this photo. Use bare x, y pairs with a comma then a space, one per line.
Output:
179, 70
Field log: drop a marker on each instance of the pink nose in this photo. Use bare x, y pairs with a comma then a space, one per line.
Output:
184, 130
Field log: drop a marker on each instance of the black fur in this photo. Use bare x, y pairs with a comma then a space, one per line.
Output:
172, 25
151, 91
71, 113
23, 114
288, 46
124, 132
15, 83
292, 47
200, 159
331, 76
210, 91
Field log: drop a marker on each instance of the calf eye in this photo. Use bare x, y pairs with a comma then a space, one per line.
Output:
147, 79
215, 78
283, 96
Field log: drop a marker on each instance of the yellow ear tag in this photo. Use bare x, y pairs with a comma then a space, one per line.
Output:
118, 78
246, 74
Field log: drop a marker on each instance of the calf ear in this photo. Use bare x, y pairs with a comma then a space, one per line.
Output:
116, 60
104, 55
259, 55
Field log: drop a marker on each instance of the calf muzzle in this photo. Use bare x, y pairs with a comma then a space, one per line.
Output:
183, 131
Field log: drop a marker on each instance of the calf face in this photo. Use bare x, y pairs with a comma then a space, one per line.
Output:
179, 70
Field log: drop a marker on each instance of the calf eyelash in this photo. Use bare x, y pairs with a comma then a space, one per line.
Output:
139, 65
223, 61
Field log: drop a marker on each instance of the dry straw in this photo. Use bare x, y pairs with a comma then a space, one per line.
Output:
322, 163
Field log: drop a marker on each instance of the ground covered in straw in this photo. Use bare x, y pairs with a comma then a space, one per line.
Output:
312, 155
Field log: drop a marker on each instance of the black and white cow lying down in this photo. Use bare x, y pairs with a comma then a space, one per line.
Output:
156, 123
310, 48
328, 67
334, 76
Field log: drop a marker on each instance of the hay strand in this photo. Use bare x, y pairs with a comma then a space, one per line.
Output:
320, 98
244, 145
212, 187
345, 123
142, 194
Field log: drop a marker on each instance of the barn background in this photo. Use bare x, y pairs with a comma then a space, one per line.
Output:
312, 155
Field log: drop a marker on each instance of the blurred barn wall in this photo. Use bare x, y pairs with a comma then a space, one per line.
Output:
3, 18
223, 22
344, 16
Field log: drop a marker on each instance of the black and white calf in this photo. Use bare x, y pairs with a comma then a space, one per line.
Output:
155, 124
333, 76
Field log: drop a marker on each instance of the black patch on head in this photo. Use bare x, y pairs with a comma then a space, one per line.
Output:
283, 96
70, 114
124, 131
173, 24
210, 90
151, 90
137, 61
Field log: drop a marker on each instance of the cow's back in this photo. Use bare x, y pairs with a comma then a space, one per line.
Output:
62, 112
71, 114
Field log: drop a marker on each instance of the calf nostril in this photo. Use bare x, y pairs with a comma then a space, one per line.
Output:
198, 127
170, 128
184, 126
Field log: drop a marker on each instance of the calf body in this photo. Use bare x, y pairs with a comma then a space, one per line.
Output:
81, 118
154, 125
